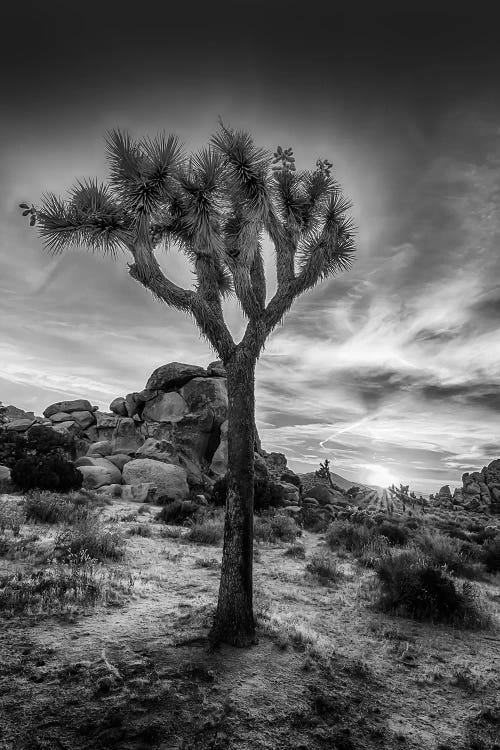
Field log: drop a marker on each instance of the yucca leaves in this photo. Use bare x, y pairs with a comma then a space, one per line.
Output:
247, 169
142, 173
214, 205
89, 218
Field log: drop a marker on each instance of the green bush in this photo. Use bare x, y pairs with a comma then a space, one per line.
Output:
207, 531
12, 447
51, 472
444, 551
177, 512
44, 441
491, 555
59, 587
352, 537
297, 550
90, 538
51, 507
323, 567
12, 517
275, 528
414, 586
394, 533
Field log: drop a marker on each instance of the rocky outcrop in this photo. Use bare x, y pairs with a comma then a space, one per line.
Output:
8, 413
171, 435
174, 375
480, 491
170, 481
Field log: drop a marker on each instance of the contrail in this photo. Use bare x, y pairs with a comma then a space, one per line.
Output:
346, 429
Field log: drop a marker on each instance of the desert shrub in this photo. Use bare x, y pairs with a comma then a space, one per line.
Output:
372, 551
296, 550
178, 512
412, 523
414, 586
444, 551
59, 587
44, 441
353, 491
89, 537
50, 472
275, 528
12, 447
394, 533
52, 507
207, 562
454, 531
353, 537
207, 531
324, 568
483, 535
141, 529
12, 517
491, 555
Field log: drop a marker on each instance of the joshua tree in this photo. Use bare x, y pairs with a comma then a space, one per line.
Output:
215, 206
324, 472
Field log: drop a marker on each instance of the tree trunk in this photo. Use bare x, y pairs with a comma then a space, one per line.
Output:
234, 621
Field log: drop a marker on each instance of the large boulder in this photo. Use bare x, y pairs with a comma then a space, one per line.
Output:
60, 416
19, 425
119, 460
197, 435
114, 472
207, 393
117, 406
159, 450
96, 476
216, 369
132, 403
105, 421
79, 404
165, 407
83, 418
170, 481
173, 375
102, 448
125, 437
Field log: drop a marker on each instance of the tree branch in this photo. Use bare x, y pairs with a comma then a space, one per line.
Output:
147, 272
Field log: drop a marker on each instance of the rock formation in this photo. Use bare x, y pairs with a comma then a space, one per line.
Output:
480, 491
158, 443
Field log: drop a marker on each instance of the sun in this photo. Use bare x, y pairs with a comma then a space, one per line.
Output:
380, 476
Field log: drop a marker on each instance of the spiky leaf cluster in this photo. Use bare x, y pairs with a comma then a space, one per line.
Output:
214, 205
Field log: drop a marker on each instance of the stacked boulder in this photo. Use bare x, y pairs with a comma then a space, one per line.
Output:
480, 491
159, 444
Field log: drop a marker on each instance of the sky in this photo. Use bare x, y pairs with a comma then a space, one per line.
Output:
390, 370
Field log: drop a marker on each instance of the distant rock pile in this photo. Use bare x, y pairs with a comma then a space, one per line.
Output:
159, 443
480, 491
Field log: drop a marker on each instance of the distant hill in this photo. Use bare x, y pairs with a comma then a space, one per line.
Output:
310, 478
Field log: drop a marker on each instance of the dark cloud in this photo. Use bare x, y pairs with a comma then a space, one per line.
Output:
485, 395
427, 334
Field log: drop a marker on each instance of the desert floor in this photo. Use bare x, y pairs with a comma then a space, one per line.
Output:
328, 671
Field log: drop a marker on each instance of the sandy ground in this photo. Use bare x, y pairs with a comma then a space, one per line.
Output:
328, 670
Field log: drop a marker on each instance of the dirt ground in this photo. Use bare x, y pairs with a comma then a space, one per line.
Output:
328, 670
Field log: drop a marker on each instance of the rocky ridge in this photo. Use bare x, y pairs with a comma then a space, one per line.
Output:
480, 491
